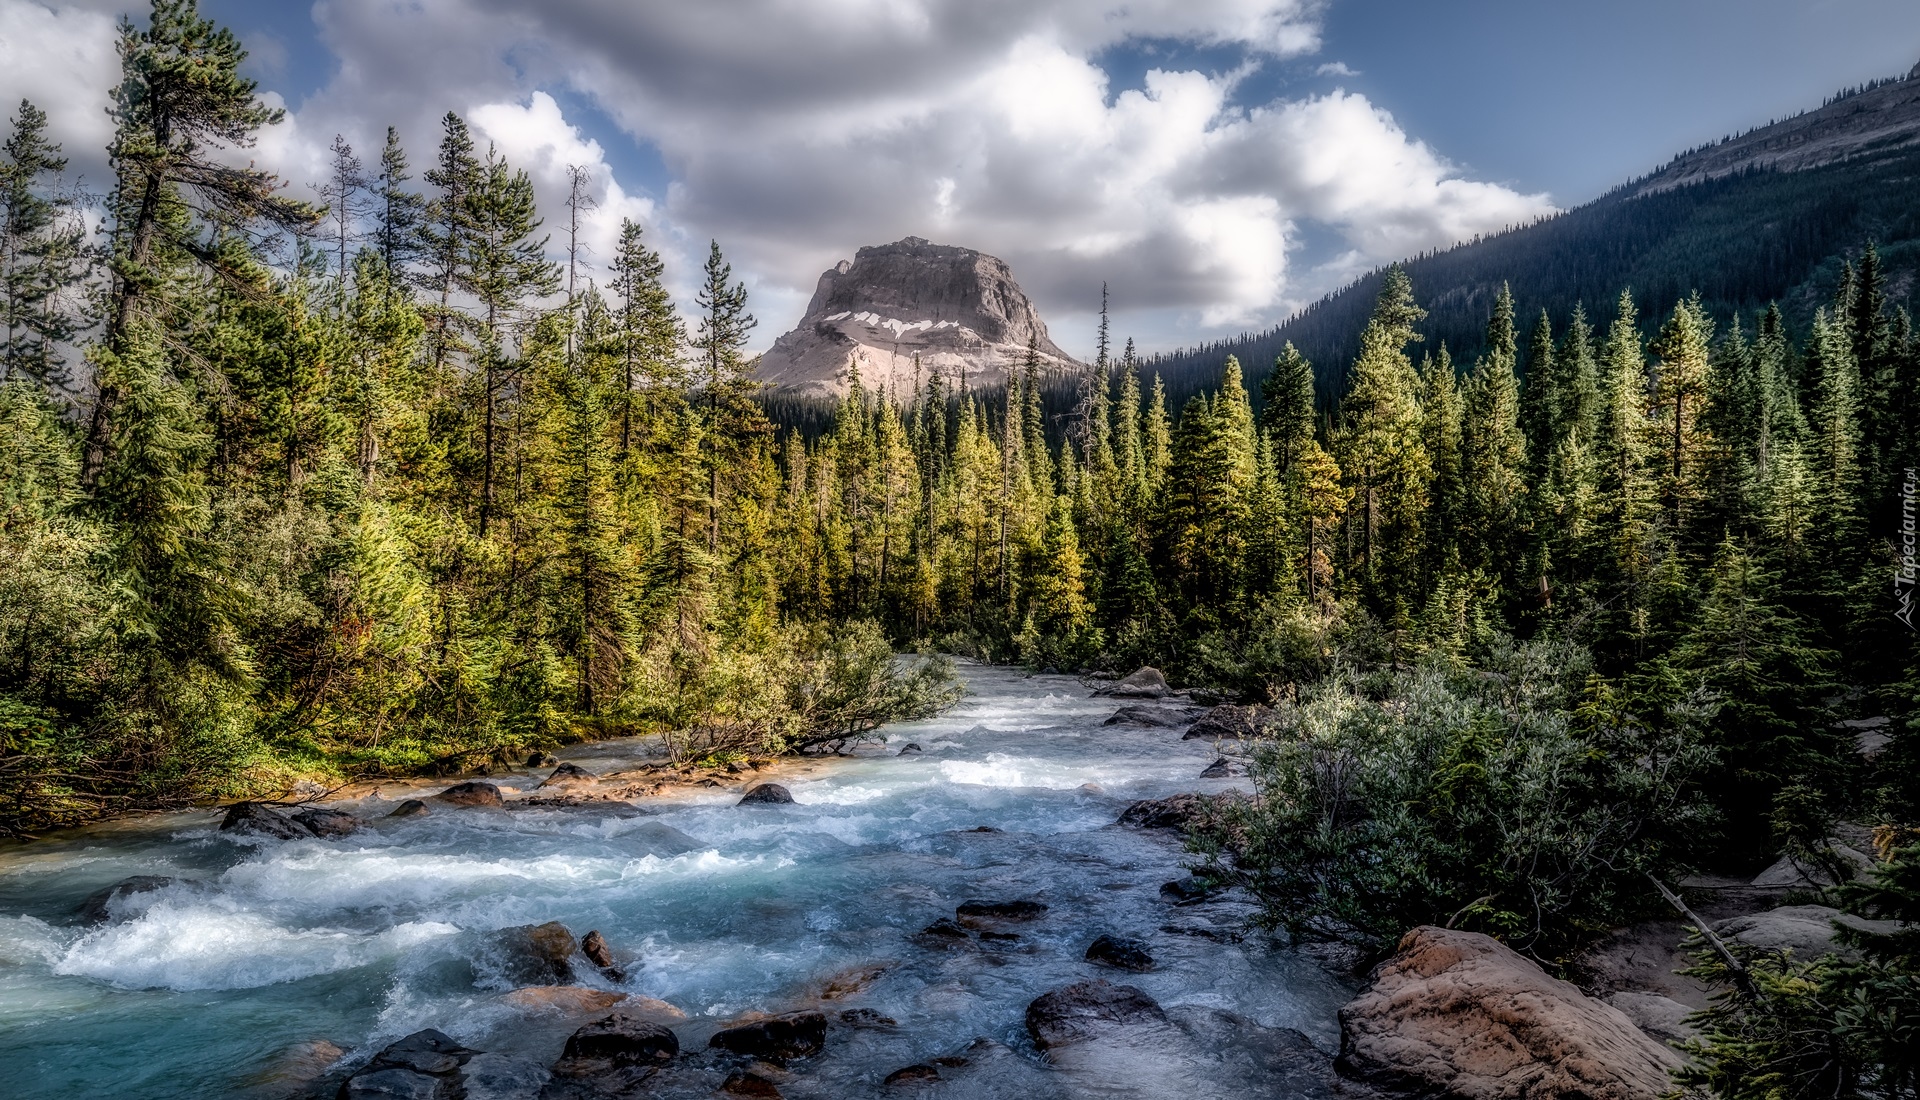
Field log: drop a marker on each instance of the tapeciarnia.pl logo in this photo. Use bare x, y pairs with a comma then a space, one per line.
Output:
1904, 574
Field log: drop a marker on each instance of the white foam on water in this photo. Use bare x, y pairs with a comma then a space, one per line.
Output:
219, 946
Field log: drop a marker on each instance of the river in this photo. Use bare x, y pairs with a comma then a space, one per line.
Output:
198, 988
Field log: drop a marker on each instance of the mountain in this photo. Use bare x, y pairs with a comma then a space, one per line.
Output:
1768, 216
905, 311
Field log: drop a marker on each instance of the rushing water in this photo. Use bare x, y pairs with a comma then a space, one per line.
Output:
201, 985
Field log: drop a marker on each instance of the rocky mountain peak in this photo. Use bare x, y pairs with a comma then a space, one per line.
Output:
901, 312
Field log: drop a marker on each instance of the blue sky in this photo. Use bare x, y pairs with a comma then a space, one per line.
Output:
1218, 162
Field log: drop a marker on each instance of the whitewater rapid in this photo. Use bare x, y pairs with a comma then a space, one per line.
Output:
198, 988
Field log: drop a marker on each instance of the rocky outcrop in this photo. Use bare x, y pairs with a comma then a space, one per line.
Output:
423, 1066
1663, 1018
1229, 721
1458, 1013
1836, 863
1875, 122
907, 307
1173, 812
569, 775
1143, 683
1806, 930
1087, 1009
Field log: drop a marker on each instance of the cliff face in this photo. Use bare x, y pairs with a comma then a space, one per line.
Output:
957, 311
1879, 120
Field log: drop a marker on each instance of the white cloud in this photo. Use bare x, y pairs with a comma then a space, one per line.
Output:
62, 58
797, 132
1336, 68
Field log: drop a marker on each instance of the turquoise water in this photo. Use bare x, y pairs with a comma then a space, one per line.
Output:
201, 987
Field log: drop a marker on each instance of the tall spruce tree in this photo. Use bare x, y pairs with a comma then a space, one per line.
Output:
180, 102
42, 253
399, 213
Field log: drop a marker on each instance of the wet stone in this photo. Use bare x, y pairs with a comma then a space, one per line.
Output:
616, 1041
538, 954
412, 807
866, 1019
99, 906
910, 749
259, 819
751, 1085
471, 793
327, 823
1000, 910
766, 794
1120, 952
1185, 891
917, 1074
1219, 769
776, 1038
1087, 1009
594, 947
944, 932
569, 775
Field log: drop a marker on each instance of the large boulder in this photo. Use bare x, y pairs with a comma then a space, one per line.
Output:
775, 1038
321, 822
1120, 952
1144, 683
1230, 721
1458, 1013
1661, 1017
1805, 930
537, 954
473, 793
1793, 873
1084, 1010
260, 819
766, 794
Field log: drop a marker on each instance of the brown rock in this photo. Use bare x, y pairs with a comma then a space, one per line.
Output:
328, 822
567, 1000
412, 807
751, 1084
1175, 812
539, 954
259, 819
1458, 1013
594, 947
99, 906
775, 1038
1150, 717
471, 794
917, 1074
1086, 1009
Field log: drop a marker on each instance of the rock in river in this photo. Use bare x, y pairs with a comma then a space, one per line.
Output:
1173, 812
422, 1066
259, 819
412, 807
471, 794
1150, 717
1461, 1015
1145, 683
537, 954
322, 822
1000, 910
569, 775
766, 794
1086, 1009
775, 1038
1121, 953
103, 905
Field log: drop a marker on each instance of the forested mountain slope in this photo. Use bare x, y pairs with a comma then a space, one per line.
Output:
1767, 216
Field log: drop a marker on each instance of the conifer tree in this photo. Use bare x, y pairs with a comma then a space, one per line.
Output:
446, 234
1683, 380
726, 376
1381, 455
41, 253
1493, 454
346, 202
1624, 495
399, 213
1440, 436
180, 101
1287, 406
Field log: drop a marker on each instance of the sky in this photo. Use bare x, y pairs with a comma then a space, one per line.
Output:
1217, 163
